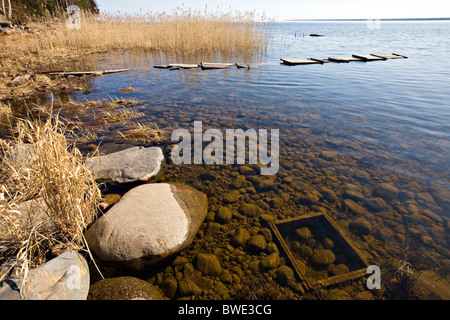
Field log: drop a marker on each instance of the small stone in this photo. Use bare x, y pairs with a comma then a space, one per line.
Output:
226, 277
285, 275
336, 294
360, 226
266, 233
328, 243
272, 247
169, 286
208, 264
266, 185
239, 183
329, 155
271, 261
222, 290
354, 195
187, 287
257, 243
426, 240
376, 204
247, 171
386, 191
277, 203
303, 233
266, 219
339, 269
240, 237
353, 207
308, 198
250, 210
322, 258
305, 251
329, 194
231, 197
224, 215
405, 196
124, 288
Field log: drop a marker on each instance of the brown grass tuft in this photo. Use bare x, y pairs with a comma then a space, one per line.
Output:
39, 164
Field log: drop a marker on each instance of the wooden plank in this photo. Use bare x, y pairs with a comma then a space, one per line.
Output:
87, 73
343, 59
390, 56
321, 61
161, 66
291, 258
183, 65
330, 280
242, 66
293, 62
368, 57
215, 65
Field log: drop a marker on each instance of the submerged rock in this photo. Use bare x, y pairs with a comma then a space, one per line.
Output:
285, 275
250, 210
303, 233
353, 207
240, 237
360, 226
208, 264
271, 261
323, 258
124, 288
65, 277
386, 191
148, 224
130, 165
257, 243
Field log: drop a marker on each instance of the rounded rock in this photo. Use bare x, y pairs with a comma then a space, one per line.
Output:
322, 258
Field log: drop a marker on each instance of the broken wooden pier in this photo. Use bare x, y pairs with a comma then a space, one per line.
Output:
354, 57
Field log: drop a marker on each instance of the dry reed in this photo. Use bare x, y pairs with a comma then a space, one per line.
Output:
39, 165
181, 32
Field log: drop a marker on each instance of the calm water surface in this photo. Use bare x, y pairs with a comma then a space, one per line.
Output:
388, 121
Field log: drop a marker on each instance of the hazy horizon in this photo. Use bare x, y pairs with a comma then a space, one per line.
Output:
295, 9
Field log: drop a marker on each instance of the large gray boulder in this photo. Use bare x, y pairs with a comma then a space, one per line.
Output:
130, 165
149, 223
65, 277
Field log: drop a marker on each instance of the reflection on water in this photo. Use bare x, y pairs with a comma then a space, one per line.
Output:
364, 142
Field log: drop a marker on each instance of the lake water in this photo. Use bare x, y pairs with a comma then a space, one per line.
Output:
383, 121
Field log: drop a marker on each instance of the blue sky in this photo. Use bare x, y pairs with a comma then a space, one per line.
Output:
296, 9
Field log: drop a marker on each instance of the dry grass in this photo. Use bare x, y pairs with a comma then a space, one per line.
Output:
144, 132
39, 164
181, 32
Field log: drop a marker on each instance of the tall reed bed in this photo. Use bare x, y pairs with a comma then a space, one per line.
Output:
181, 32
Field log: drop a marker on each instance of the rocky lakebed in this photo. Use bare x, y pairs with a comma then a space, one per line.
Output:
209, 233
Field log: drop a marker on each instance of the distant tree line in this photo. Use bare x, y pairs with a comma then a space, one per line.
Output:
21, 10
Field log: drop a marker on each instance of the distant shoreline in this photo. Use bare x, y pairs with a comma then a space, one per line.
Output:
403, 19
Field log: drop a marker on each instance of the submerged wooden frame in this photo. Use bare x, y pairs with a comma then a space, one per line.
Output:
355, 274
